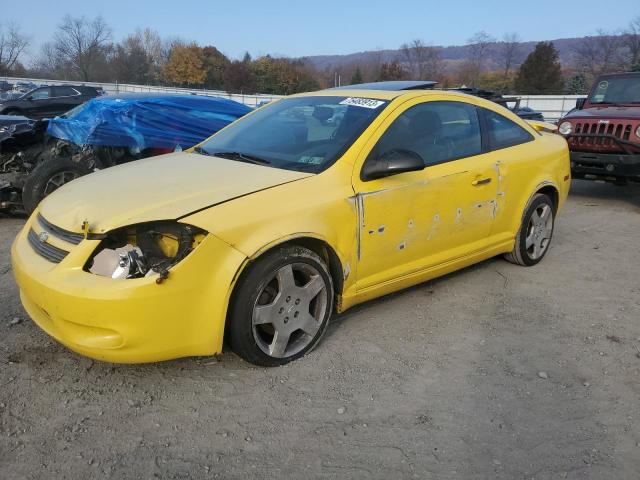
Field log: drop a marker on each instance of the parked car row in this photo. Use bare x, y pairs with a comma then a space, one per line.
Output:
39, 156
48, 101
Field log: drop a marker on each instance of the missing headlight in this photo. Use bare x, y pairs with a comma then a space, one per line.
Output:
143, 250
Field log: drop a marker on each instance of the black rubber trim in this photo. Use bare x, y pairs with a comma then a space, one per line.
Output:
62, 234
46, 250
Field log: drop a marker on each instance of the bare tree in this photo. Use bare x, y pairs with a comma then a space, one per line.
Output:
82, 43
12, 45
631, 40
480, 45
510, 51
599, 53
424, 61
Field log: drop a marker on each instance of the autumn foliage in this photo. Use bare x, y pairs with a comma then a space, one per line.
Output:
185, 66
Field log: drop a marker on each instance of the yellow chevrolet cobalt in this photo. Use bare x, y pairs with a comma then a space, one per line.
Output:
303, 208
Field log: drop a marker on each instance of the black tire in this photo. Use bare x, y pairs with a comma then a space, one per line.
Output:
40, 181
521, 253
12, 111
244, 337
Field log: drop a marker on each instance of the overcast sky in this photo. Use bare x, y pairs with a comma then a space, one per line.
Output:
299, 28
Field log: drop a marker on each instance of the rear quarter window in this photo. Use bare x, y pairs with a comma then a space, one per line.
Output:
502, 132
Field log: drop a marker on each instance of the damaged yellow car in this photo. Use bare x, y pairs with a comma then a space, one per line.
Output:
303, 208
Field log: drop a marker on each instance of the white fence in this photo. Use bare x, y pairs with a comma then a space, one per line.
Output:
552, 107
115, 88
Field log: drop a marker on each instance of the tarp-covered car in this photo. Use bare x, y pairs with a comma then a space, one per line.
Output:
101, 133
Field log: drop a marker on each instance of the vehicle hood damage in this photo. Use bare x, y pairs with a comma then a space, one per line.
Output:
167, 187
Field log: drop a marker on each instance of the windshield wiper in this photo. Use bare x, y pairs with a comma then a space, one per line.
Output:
243, 157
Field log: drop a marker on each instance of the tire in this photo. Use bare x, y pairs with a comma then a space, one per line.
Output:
47, 177
269, 303
535, 233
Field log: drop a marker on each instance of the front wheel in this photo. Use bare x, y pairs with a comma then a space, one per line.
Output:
534, 236
48, 177
281, 307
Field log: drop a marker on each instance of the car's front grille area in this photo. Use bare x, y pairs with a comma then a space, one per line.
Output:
619, 130
48, 251
61, 233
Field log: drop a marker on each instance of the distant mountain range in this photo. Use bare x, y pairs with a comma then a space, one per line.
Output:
451, 55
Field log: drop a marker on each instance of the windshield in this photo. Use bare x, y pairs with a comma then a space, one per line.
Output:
305, 133
617, 90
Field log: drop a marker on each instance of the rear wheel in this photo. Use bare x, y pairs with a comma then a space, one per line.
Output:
12, 111
281, 307
48, 177
534, 236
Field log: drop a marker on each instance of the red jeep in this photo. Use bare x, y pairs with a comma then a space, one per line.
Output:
603, 131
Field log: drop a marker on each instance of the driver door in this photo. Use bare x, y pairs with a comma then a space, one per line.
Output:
412, 222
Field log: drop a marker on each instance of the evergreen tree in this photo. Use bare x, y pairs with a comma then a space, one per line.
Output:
576, 85
357, 77
540, 73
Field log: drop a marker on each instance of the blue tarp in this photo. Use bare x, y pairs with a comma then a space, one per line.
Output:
146, 121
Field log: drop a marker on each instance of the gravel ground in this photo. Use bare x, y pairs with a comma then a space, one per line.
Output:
497, 371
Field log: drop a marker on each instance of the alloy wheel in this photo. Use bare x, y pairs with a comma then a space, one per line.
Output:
289, 310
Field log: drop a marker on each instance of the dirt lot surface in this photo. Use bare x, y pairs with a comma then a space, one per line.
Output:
497, 371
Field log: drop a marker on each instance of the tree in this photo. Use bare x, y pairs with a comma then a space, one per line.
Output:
131, 63
601, 53
576, 85
12, 45
509, 51
425, 62
392, 71
214, 63
479, 46
631, 40
239, 78
82, 45
282, 76
540, 73
185, 65
356, 77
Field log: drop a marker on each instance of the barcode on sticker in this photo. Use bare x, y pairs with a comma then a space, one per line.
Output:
362, 102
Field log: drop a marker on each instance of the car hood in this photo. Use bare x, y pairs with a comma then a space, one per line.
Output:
605, 112
157, 188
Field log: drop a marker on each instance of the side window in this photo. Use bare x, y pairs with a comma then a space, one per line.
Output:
41, 93
63, 91
437, 131
503, 133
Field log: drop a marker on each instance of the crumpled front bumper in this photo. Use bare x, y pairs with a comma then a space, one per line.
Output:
134, 320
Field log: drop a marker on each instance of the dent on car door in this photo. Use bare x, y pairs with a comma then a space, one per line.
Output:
514, 154
413, 221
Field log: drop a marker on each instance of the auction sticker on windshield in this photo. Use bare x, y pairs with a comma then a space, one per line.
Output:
362, 102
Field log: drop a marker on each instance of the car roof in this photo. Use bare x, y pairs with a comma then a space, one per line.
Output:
385, 94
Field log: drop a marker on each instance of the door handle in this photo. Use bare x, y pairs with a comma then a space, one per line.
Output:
481, 181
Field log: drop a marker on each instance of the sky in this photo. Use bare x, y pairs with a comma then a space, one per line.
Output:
300, 28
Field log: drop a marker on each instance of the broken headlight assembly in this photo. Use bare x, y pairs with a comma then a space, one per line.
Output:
143, 250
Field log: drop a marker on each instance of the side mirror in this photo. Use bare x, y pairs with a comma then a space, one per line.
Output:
390, 163
580, 103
